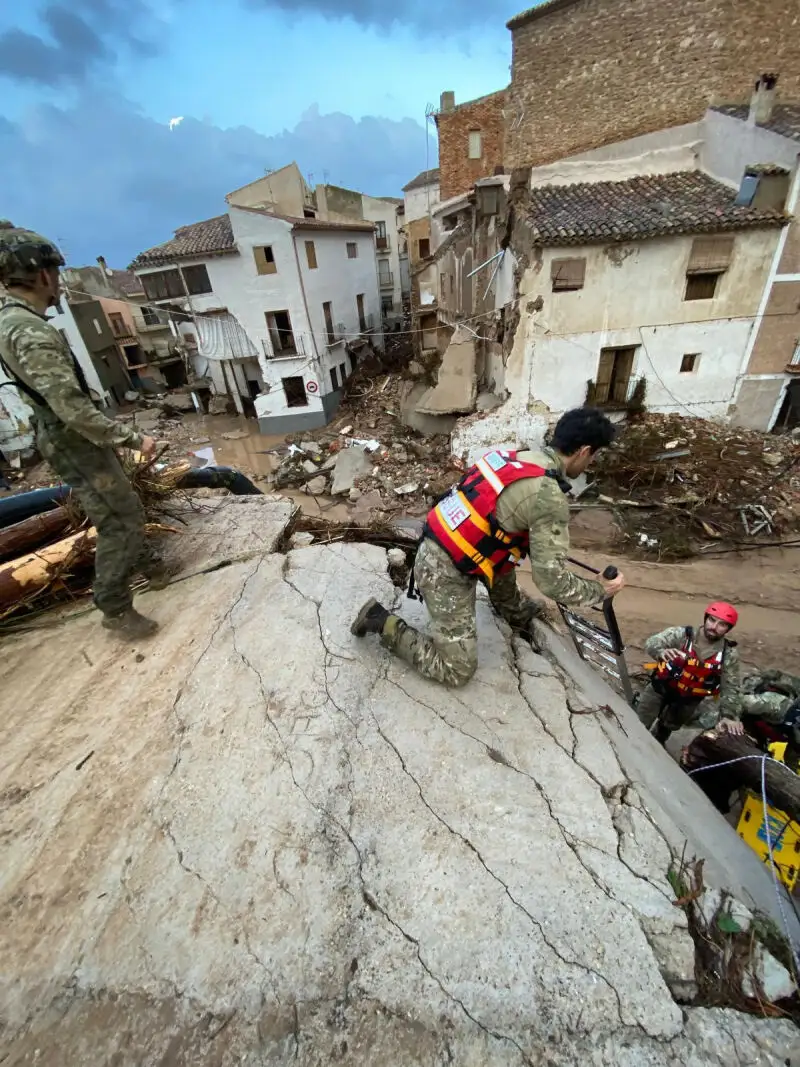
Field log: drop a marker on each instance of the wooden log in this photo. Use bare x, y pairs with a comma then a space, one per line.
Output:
32, 532
782, 785
23, 577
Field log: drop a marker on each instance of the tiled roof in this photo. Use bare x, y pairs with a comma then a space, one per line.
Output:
425, 177
766, 168
532, 13
785, 119
212, 237
308, 224
639, 208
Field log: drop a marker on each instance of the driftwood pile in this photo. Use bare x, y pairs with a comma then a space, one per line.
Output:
47, 558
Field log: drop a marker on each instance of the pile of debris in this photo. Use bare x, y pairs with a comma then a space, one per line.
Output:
368, 456
677, 482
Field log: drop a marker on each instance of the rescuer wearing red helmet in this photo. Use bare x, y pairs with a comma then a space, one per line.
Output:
692, 669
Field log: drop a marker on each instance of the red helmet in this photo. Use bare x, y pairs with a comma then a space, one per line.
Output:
726, 612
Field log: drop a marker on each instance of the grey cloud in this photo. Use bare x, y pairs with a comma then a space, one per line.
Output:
106, 180
79, 36
448, 17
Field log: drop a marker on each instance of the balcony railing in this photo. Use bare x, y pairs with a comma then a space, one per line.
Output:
291, 347
161, 322
382, 242
386, 280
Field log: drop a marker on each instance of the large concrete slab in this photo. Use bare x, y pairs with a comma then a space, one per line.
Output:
258, 840
456, 386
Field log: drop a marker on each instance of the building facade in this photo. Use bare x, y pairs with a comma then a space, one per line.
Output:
421, 198
470, 140
586, 73
277, 308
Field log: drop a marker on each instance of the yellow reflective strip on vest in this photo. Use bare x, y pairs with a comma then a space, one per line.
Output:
475, 518
469, 550
490, 476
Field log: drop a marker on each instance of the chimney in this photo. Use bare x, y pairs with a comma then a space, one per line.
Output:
102, 261
762, 101
447, 101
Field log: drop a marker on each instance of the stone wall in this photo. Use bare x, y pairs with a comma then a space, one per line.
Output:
457, 172
589, 72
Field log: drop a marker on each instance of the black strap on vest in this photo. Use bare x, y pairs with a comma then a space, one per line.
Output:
28, 390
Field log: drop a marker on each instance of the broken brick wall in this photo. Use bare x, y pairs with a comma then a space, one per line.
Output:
457, 172
591, 72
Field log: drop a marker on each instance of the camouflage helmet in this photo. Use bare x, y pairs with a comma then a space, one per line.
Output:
23, 253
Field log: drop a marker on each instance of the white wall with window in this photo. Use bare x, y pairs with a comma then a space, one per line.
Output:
612, 314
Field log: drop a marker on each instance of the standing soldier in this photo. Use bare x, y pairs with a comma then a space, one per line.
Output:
509, 505
692, 667
76, 439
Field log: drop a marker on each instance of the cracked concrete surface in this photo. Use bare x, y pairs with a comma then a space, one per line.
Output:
262, 841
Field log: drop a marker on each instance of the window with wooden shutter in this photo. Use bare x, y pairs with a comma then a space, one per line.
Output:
710, 255
265, 260
311, 255
567, 275
613, 379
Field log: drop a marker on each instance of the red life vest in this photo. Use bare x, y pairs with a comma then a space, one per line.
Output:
693, 678
464, 521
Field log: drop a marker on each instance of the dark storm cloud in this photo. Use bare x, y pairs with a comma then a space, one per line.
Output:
425, 16
76, 39
106, 180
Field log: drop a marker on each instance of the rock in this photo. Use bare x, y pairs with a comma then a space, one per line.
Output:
310, 446
399, 455
147, 420
351, 464
290, 473
415, 368
773, 978
131, 396
396, 557
218, 405
487, 402
709, 904
317, 486
405, 490
772, 459
346, 430
301, 539
179, 401
419, 449
355, 494
309, 467
236, 435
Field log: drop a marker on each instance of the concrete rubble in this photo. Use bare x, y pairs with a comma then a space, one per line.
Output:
259, 840
456, 386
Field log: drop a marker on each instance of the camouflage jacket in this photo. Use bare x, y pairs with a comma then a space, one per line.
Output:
34, 351
539, 506
772, 680
730, 694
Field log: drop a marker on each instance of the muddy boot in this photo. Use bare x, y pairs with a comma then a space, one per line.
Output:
370, 620
130, 625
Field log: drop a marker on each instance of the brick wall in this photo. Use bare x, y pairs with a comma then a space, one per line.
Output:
590, 72
457, 172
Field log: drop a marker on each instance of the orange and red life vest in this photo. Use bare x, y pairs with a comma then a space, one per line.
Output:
464, 521
693, 678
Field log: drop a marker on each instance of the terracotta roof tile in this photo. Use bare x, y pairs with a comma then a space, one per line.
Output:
639, 208
212, 237
785, 118
425, 177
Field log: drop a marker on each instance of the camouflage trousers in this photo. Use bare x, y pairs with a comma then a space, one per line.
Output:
771, 707
652, 705
113, 508
450, 655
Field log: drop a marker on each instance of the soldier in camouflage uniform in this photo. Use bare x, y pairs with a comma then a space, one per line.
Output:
531, 507
665, 705
75, 438
770, 694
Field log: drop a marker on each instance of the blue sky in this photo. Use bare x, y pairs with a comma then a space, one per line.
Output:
89, 86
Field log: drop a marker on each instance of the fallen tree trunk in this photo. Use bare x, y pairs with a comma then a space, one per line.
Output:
24, 577
782, 784
30, 533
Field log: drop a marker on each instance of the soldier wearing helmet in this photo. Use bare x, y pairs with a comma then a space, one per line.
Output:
697, 675
73, 436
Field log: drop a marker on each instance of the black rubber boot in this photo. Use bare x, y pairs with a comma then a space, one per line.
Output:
130, 625
661, 732
370, 620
